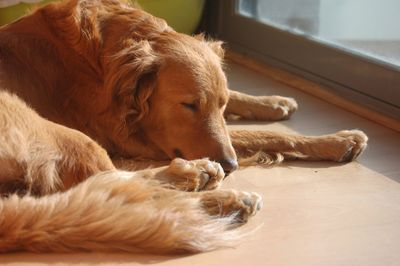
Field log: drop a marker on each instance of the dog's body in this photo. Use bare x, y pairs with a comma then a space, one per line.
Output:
141, 91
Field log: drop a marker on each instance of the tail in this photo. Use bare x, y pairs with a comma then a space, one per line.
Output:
110, 213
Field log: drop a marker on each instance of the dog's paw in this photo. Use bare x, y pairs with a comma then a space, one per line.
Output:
272, 108
193, 175
355, 142
283, 107
241, 205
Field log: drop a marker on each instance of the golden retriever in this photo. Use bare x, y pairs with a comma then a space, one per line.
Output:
108, 81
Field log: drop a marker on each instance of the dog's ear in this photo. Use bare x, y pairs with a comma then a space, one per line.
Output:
216, 46
131, 76
74, 23
201, 37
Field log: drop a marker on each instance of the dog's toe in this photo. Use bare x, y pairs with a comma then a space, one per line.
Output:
278, 107
194, 175
253, 202
212, 170
356, 141
240, 205
288, 106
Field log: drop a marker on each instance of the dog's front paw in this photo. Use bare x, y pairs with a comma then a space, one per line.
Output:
271, 108
193, 175
283, 107
355, 142
230, 202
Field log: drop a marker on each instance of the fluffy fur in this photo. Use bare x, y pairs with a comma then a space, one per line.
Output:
110, 80
117, 211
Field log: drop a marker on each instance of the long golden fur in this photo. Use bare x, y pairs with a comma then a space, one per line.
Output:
110, 82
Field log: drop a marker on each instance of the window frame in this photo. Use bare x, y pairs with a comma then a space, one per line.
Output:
356, 77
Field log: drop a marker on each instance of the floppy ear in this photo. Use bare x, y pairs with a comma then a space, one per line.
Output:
130, 77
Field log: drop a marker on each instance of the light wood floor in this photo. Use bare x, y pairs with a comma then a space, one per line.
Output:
314, 213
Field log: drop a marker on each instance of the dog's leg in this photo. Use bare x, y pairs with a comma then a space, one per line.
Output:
81, 157
342, 146
259, 107
51, 162
41, 157
121, 211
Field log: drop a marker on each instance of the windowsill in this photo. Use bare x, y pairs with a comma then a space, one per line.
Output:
313, 88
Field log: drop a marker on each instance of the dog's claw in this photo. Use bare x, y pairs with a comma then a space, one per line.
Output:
356, 141
242, 205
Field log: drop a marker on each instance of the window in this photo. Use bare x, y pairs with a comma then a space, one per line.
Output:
352, 46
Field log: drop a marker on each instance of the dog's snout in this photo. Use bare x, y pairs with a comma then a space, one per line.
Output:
229, 165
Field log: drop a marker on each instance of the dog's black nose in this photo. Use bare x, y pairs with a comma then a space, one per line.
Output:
229, 165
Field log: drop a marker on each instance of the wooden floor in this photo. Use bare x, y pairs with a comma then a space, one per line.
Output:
314, 213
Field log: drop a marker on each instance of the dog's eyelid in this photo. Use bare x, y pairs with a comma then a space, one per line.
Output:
190, 106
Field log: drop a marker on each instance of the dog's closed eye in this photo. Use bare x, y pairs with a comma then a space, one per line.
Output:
190, 106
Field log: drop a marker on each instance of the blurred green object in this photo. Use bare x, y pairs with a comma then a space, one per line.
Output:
182, 15
13, 12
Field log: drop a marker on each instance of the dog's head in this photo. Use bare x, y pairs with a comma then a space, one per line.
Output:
176, 91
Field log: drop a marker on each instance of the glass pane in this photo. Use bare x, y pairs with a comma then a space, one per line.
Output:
370, 27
